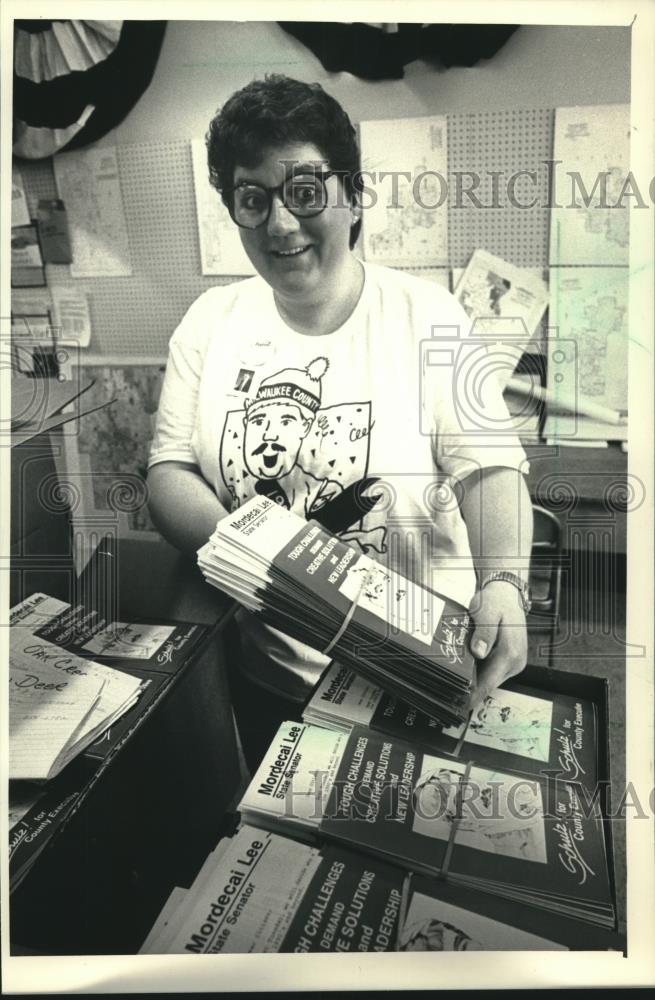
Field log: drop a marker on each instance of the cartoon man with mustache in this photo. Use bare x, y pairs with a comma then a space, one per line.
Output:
277, 421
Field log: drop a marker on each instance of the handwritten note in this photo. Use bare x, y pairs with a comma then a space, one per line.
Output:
59, 704
50, 699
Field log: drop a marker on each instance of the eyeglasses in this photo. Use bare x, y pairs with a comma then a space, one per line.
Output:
250, 205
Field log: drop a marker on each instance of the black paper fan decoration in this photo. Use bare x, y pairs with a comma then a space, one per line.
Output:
74, 81
381, 51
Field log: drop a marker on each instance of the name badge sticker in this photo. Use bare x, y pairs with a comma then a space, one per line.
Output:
258, 351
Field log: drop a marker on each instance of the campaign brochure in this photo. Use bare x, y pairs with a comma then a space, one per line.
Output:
261, 892
305, 581
154, 646
534, 841
517, 727
37, 811
503, 300
439, 916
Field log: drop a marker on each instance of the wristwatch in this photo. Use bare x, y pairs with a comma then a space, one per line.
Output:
516, 581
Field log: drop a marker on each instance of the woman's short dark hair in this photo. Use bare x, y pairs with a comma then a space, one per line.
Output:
273, 112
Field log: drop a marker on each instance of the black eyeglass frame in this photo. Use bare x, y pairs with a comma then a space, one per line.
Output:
321, 175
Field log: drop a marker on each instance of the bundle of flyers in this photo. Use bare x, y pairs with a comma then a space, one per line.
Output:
305, 581
516, 727
158, 646
439, 916
259, 892
530, 840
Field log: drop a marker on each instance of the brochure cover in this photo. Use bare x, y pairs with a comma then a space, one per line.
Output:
151, 646
444, 917
290, 789
523, 838
412, 640
37, 812
502, 298
517, 727
260, 892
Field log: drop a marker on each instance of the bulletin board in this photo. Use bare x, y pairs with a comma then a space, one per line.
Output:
133, 317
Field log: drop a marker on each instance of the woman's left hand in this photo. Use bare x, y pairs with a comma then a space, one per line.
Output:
500, 639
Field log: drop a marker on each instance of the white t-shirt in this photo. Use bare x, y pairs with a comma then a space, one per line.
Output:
397, 392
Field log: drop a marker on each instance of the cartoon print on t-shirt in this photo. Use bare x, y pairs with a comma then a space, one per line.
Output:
284, 446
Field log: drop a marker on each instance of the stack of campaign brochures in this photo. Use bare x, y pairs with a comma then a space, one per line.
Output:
300, 578
523, 838
517, 727
260, 892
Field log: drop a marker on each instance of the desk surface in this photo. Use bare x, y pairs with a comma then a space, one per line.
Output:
147, 577
149, 812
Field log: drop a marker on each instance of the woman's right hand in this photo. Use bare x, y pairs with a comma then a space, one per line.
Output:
183, 506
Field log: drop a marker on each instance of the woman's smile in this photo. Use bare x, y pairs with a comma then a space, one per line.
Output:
290, 254
305, 259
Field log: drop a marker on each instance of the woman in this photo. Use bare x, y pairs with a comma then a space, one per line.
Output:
303, 382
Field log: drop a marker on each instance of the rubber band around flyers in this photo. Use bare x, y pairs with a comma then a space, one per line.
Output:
347, 619
443, 872
462, 740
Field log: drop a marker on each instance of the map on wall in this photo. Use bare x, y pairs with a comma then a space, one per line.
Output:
221, 251
591, 186
588, 348
405, 170
89, 185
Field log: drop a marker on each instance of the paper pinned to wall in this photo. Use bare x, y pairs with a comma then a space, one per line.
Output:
27, 269
89, 185
497, 294
592, 145
20, 215
401, 225
506, 303
31, 324
71, 316
588, 350
221, 251
60, 314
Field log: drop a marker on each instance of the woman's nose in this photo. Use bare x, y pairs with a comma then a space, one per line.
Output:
281, 221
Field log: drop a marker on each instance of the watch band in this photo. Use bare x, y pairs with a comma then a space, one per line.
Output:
516, 581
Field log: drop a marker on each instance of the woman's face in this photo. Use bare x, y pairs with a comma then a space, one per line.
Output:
323, 240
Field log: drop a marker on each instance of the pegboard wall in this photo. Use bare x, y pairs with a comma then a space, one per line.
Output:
134, 317
506, 143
